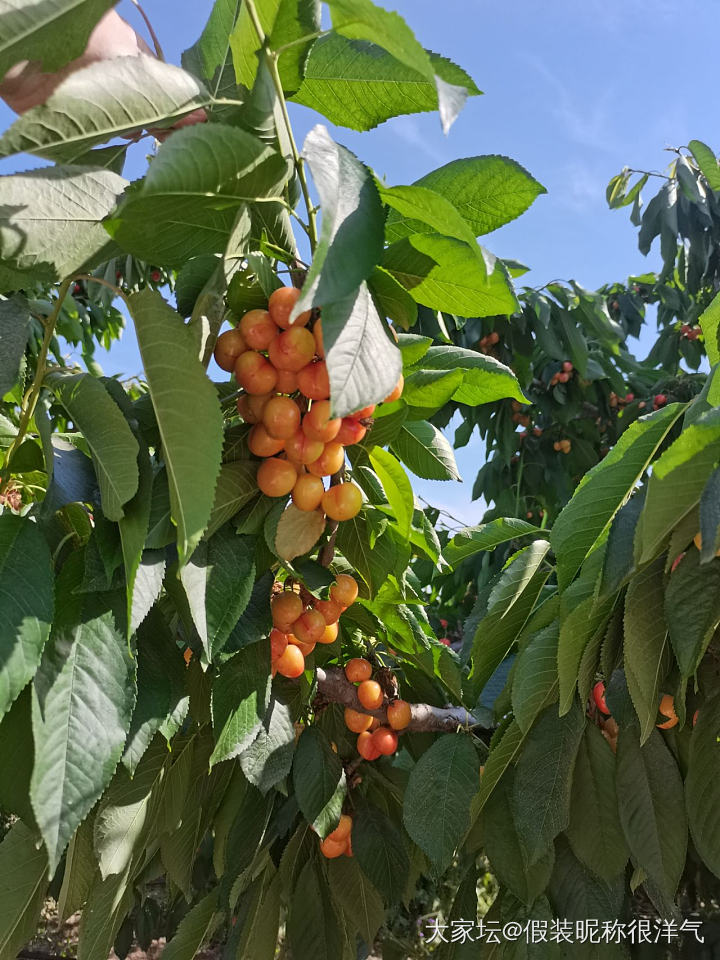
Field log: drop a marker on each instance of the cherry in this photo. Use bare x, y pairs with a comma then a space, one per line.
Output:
357, 722
351, 431
329, 609
342, 502
342, 830
598, 693
251, 407
262, 444
306, 647
308, 492
331, 849
281, 417
358, 669
396, 393
313, 381
258, 329
399, 714
291, 663
385, 741
280, 305
309, 626
318, 336
667, 709
228, 347
302, 450
285, 607
292, 350
318, 424
660, 399
286, 381
330, 633
275, 477
370, 694
254, 373
344, 591
278, 643
363, 413
366, 747
329, 461
567, 367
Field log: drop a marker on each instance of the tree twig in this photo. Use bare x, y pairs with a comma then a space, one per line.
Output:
334, 687
156, 43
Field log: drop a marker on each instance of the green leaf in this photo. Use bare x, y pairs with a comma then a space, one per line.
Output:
236, 486
313, 926
710, 323
427, 391
511, 603
187, 204
604, 489
110, 98
645, 644
319, 780
17, 753
543, 777
352, 228
52, 32
363, 20
692, 609
51, 223
707, 161
392, 299
426, 451
535, 676
421, 210
358, 84
442, 273
240, 697
14, 328
269, 757
677, 482
125, 814
191, 444
506, 855
161, 688
702, 786
413, 347
436, 808
373, 561
380, 850
107, 906
502, 753
363, 363
112, 443
579, 895
619, 562
578, 628
83, 698
195, 929
26, 603
487, 536
282, 22
488, 191
602, 849
23, 882
356, 896
80, 871
259, 919
652, 812
210, 57
134, 526
397, 487
218, 580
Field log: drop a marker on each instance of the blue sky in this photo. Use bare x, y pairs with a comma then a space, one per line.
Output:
572, 90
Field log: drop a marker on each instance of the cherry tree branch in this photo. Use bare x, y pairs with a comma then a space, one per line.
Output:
334, 686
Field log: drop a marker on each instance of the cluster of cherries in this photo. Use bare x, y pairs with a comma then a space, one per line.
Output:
339, 842
374, 739
282, 371
298, 626
609, 727
562, 376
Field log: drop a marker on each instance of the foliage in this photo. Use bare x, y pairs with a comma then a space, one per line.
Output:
152, 724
